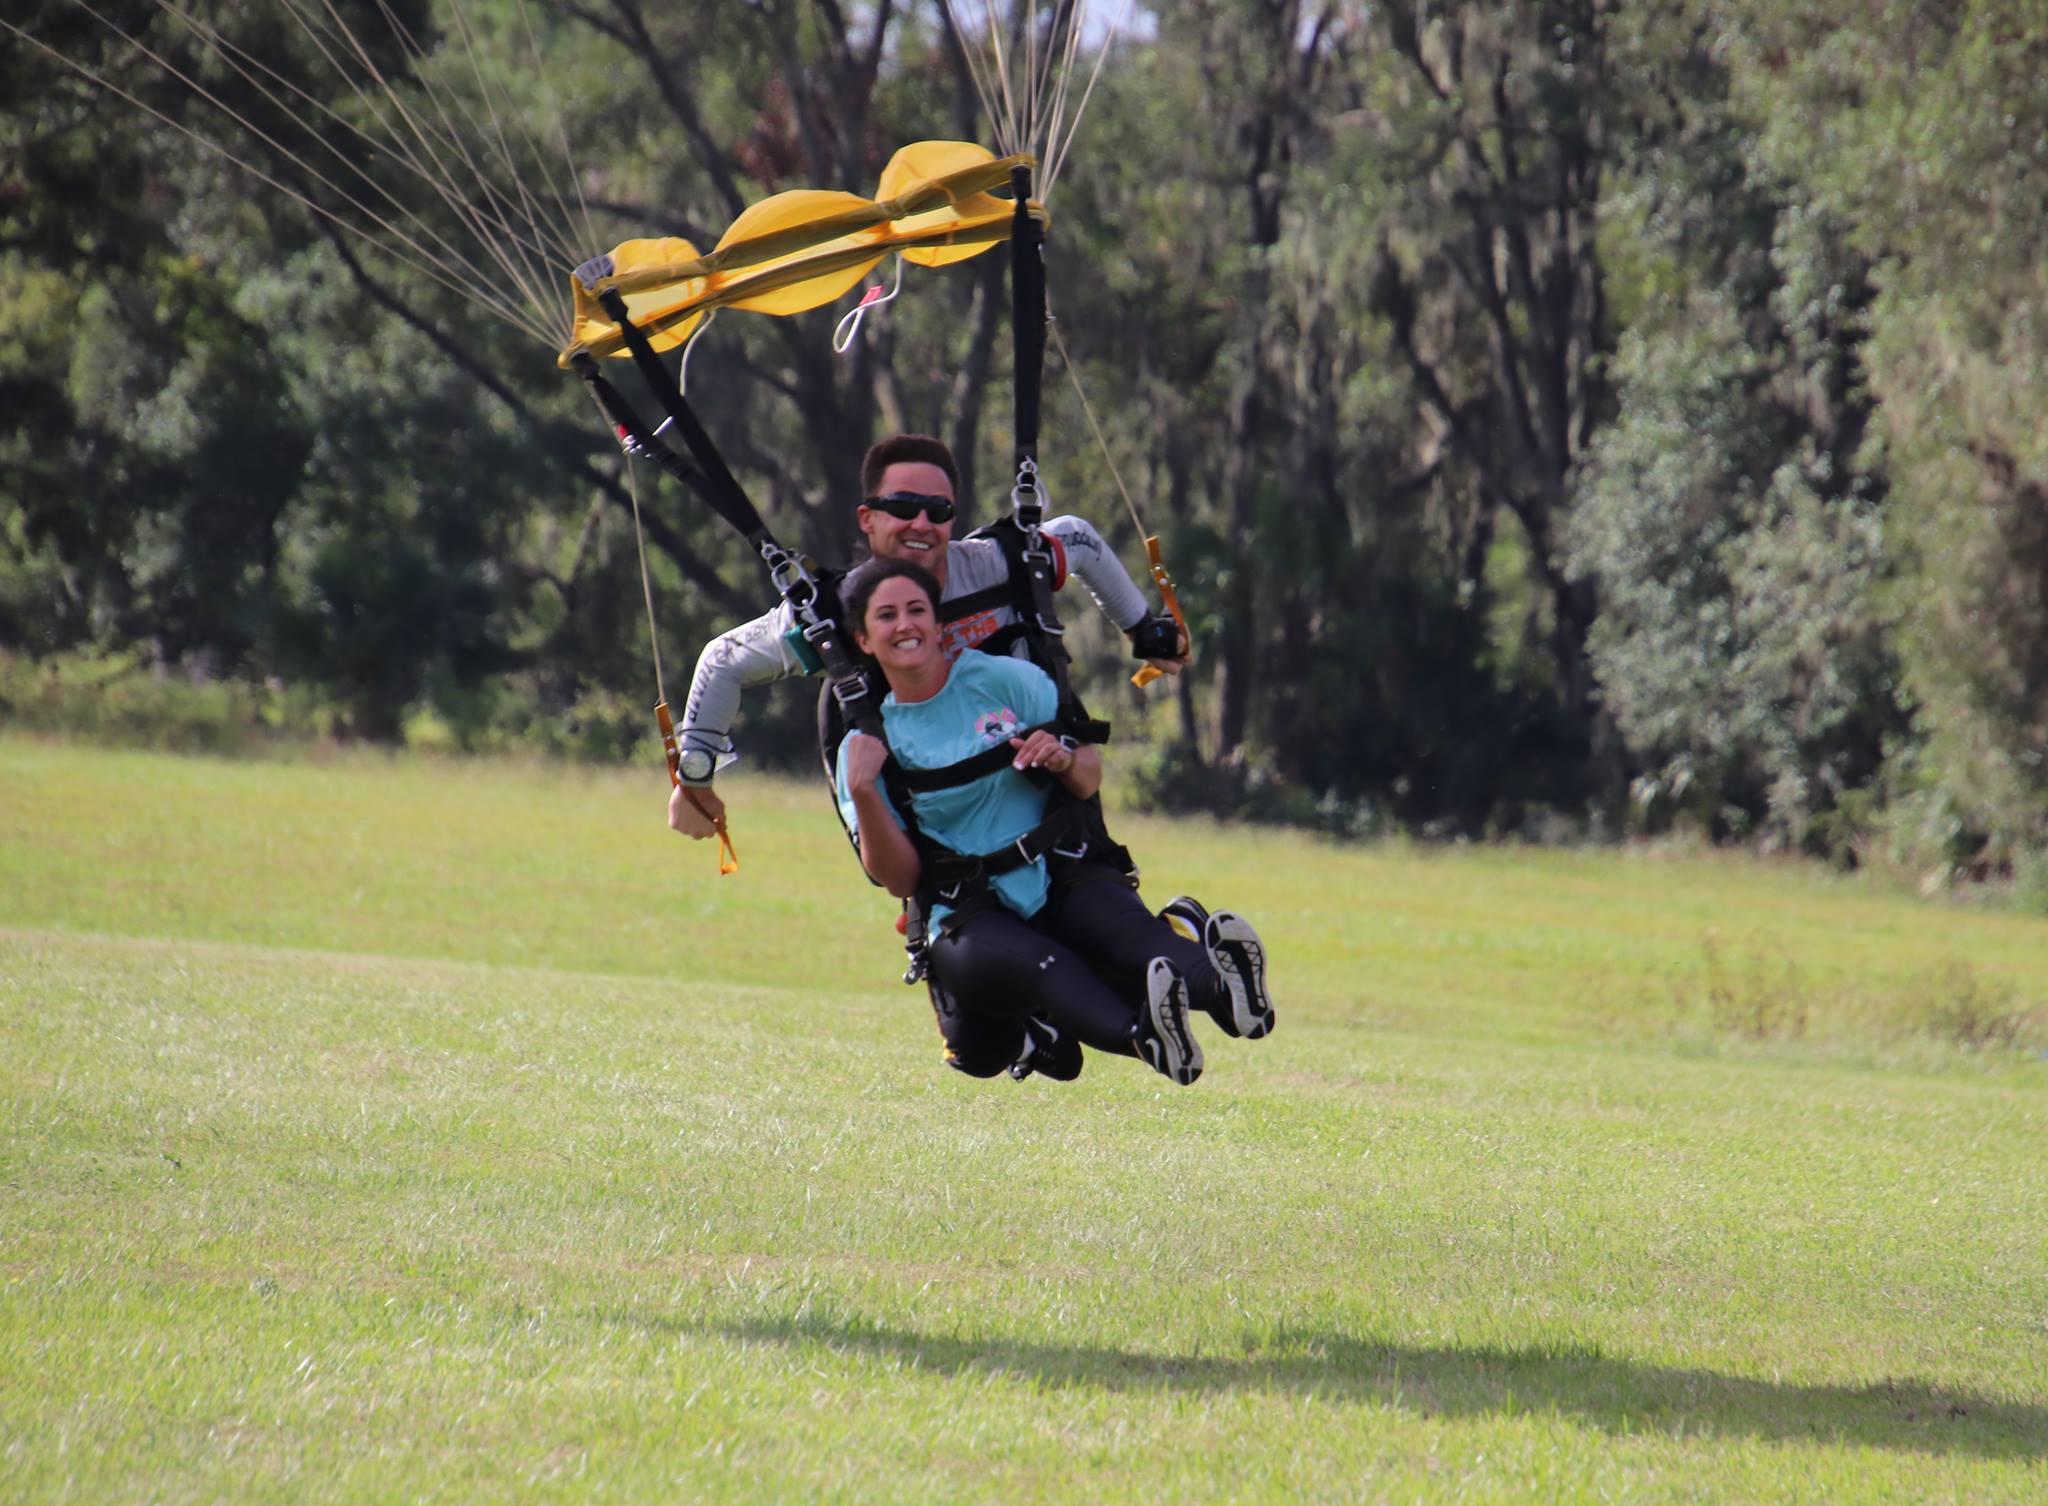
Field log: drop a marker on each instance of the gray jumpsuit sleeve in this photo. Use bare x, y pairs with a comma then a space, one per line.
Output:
754, 653
1100, 570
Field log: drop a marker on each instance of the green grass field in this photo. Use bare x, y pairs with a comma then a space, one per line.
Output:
391, 1130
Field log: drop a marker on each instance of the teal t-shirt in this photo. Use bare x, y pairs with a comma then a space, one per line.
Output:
985, 701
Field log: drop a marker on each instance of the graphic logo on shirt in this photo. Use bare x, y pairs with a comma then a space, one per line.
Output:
993, 727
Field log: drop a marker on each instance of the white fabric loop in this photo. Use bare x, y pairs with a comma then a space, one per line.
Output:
848, 328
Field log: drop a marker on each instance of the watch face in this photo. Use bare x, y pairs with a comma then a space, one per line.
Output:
696, 764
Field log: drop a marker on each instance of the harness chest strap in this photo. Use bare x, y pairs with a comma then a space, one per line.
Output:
967, 770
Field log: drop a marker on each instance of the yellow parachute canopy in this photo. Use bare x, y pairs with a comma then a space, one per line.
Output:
801, 249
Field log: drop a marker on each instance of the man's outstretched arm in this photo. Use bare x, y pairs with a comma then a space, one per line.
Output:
754, 653
1115, 592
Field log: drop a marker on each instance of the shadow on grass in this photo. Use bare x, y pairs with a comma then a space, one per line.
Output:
1617, 1396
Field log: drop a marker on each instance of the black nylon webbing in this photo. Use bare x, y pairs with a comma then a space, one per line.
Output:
719, 486
967, 770
1027, 311
1001, 594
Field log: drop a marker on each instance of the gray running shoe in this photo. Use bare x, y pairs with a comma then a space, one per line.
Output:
1239, 959
1162, 1036
1234, 949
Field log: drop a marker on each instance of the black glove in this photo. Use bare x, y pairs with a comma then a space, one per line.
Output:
1155, 638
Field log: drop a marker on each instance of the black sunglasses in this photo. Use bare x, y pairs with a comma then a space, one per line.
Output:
907, 505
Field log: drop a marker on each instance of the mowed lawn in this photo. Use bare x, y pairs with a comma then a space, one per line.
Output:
383, 1130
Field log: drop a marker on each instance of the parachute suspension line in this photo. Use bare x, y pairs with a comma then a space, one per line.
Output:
560, 123
546, 231
523, 274
1168, 592
985, 89
647, 591
1032, 80
1059, 156
498, 134
1026, 85
399, 150
530, 276
728, 857
1049, 85
1002, 121
1002, 72
848, 329
1058, 79
476, 221
236, 56
415, 256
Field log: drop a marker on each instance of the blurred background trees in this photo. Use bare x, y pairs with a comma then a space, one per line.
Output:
1565, 418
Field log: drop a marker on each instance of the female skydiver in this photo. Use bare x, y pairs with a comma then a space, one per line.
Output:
1063, 939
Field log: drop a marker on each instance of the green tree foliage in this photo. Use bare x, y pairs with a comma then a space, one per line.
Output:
1923, 128
1729, 515
1539, 401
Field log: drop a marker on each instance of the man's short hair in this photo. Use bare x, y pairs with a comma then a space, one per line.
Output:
921, 448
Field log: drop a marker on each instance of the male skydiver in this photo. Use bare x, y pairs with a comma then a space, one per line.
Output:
908, 483
905, 480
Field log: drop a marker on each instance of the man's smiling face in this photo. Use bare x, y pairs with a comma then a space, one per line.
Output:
917, 539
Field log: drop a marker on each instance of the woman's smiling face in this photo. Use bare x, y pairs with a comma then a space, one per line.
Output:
901, 628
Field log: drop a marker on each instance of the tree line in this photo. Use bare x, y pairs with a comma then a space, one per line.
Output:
1575, 416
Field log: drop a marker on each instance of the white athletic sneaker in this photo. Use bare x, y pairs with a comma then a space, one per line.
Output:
1162, 1035
1234, 949
1237, 955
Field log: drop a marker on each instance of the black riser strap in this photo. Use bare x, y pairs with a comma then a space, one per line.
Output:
626, 423
1027, 310
725, 494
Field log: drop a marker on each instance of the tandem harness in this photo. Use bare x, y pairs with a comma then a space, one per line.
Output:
1071, 835
1074, 831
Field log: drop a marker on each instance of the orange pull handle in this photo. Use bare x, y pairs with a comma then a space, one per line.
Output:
728, 859
1169, 595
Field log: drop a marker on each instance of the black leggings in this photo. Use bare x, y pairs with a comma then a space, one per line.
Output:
1080, 963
